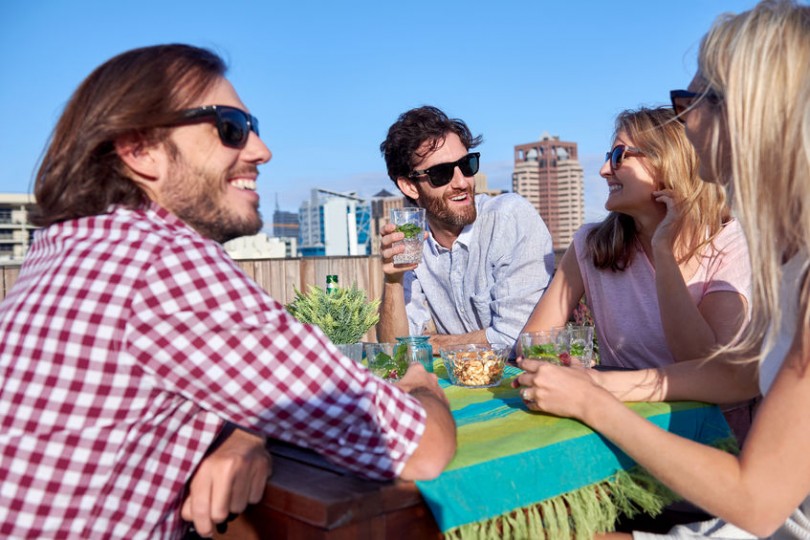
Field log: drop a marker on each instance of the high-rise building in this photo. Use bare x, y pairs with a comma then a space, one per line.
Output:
381, 205
481, 185
16, 232
334, 223
548, 174
285, 224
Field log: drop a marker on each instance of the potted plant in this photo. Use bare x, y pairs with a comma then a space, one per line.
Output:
344, 314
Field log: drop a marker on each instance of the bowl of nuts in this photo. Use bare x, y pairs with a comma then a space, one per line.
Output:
476, 365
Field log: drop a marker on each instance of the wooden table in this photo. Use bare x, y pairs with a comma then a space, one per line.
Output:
308, 498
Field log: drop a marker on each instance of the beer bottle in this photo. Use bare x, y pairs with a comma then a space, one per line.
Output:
331, 283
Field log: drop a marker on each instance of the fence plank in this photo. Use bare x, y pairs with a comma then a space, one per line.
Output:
279, 277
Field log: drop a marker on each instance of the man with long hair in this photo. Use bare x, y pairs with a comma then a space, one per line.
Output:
131, 340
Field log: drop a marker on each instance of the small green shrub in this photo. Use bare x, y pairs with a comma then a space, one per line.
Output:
344, 315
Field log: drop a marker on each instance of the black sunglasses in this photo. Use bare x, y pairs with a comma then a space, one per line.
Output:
616, 156
683, 100
441, 174
233, 125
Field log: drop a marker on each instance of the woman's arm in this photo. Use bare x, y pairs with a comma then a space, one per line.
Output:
720, 380
756, 491
691, 331
566, 289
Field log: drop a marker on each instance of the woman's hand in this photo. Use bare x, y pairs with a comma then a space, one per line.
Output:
664, 236
558, 390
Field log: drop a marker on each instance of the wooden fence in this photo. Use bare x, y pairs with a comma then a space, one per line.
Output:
279, 277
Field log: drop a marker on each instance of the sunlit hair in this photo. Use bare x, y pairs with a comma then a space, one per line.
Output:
403, 147
758, 62
672, 162
131, 94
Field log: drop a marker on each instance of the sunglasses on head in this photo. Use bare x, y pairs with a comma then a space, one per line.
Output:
683, 100
441, 174
616, 156
233, 125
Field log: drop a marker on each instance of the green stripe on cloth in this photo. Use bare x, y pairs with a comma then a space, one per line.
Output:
521, 471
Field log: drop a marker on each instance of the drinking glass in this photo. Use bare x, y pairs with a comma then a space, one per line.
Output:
388, 361
411, 222
544, 345
579, 345
419, 350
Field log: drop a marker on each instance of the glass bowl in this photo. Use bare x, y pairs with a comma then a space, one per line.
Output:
478, 365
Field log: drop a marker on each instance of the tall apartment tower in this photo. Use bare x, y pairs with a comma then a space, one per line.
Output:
549, 176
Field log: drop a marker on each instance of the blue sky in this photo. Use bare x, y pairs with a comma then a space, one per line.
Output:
326, 78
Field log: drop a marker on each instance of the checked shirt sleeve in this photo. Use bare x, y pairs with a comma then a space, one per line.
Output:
210, 334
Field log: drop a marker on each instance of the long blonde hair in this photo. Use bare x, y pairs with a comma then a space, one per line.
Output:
673, 163
758, 63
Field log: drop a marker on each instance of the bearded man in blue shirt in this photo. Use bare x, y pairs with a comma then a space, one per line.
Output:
486, 260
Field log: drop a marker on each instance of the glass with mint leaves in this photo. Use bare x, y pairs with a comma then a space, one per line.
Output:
546, 345
389, 361
579, 340
411, 222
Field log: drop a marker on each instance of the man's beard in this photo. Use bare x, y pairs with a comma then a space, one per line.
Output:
197, 196
439, 211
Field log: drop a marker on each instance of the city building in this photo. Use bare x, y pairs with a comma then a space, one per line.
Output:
548, 174
260, 246
482, 187
381, 205
16, 232
285, 224
334, 223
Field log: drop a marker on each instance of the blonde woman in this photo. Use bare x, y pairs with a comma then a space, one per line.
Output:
666, 274
747, 112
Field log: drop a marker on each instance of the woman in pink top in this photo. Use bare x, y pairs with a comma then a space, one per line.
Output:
666, 274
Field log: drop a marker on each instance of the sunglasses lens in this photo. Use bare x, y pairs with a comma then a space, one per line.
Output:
616, 157
441, 174
233, 128
468, 164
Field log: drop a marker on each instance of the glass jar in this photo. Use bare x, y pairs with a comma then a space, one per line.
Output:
418, 350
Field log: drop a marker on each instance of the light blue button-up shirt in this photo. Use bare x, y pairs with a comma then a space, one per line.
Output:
490, 279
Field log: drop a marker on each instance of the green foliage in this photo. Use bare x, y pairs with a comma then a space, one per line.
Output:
390, 368
410, 230
344, 315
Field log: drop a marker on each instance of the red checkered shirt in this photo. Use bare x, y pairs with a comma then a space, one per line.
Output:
126, 343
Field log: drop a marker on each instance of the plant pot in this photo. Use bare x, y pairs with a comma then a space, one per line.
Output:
352, 350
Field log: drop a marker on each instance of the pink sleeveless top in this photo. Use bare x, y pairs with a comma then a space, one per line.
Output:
625, 304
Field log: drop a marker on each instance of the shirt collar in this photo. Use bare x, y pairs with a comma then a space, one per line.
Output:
464, 239
466, 235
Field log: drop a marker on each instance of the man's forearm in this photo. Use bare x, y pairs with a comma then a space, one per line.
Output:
393, 317
438, 443
446, 340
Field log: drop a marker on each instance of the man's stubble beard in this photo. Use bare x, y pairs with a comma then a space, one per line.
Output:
439, 211
197, 196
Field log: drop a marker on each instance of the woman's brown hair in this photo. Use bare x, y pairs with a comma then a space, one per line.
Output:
673, 163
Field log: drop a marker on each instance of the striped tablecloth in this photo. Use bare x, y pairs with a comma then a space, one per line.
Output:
521, 474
